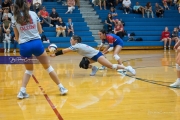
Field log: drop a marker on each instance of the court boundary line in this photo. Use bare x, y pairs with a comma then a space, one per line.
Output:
48, 99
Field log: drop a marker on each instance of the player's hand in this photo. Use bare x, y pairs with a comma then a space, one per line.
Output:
177, 45
52, 55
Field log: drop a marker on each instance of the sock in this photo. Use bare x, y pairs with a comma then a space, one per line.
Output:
23, 89
179, 79
94, 70
60, 85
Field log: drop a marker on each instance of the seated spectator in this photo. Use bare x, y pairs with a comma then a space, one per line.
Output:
7, 13
77, 4
177, 3
5, 5
111, 3
165, 4
138, 9
159, 10
113, 13
148, 10
119, 30
37, 5
54, 16
109, 23
7, 39
1, 35
175, 35
126, 6
60, 28
45, 16
6, 24
71, 6
40, 18
1, 11
166, 38
15, 43
70, 27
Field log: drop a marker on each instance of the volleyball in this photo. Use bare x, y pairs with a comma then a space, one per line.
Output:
52, 48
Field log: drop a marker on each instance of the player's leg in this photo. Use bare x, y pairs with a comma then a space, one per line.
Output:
103, 61
177, 82
44, 60
117, 49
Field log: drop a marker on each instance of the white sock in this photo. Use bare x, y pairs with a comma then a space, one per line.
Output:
60, 85
179, 79
23, 89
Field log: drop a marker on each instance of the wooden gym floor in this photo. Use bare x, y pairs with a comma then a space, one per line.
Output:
109, 95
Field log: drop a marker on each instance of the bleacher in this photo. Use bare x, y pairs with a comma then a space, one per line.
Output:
80, 27
149, 29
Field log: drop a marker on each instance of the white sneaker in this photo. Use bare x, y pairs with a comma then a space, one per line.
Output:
14, 51
8, 51
63, 90
175, 84
4, 50
94, 70
131, 70
102, 68
50, 25
22, 95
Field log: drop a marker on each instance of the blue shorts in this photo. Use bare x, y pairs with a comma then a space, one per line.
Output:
33, 47
118, 42
95, 58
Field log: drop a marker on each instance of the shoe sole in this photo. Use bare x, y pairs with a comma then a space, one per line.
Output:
65, 92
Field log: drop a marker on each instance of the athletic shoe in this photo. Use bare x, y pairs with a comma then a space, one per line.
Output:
22, 95
175, 84
63, 90
131, 70
94, 70
102, 68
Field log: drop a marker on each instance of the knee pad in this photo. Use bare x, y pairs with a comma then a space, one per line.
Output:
177, 67
116, 57
50, 69
84, 63
29, 72
114, 66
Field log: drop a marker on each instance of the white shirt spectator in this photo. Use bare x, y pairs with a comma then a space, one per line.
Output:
126, 3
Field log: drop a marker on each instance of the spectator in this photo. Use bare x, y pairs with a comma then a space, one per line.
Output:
14, 41
1, 35
159, 10
45, 16
166, 38
111, 3
37, 5
1, 11
126, 6
109, 23
7, 39
139, 9
165, 4
119, 30
5, 5
175, 35
113, 13
70, 27
60, 28
7, 13
148, 10
77, 3
71, 6
54, 16
102, 2
40, 18
178, 5
6, 24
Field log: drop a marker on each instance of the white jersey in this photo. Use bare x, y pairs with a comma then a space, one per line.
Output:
29, 31
84, 50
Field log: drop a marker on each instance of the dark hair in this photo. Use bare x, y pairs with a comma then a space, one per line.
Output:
102, 31
21, 12
148, 5
78, 38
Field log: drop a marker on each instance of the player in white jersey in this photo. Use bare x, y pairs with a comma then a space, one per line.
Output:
91, 55
27, 28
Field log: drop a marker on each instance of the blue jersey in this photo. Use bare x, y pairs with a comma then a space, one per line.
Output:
111, 39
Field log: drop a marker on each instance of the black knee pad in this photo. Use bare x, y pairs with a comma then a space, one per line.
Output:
84, 63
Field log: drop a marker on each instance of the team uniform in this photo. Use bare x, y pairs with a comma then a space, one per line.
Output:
29, 38
113, 40
86, 51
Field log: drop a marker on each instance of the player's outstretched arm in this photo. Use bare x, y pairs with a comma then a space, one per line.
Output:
61, 52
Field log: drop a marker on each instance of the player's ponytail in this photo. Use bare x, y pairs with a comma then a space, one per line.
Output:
21, 12
77, 38
103, 31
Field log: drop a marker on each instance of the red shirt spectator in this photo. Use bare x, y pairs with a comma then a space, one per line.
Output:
165, 34
44, 13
